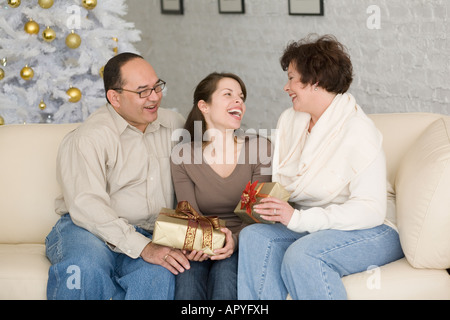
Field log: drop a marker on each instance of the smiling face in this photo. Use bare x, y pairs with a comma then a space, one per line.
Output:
302, 95
137, 75
226, 108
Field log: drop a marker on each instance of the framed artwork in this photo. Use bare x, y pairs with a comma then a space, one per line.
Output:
306, 7
231, 6
172, 7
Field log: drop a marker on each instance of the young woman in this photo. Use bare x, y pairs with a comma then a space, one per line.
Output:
329, 155
212, 177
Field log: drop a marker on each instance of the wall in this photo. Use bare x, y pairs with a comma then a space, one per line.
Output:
400, 51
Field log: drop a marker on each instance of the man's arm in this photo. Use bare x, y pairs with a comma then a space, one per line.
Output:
81, 172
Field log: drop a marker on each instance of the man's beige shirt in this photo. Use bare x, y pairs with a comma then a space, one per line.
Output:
115, 177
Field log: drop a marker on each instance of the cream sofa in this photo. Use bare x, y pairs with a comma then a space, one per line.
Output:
418, 155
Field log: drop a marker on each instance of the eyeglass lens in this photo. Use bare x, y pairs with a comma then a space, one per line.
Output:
158, 88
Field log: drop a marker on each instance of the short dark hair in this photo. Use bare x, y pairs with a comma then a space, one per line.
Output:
112, 77
324, 61
204, 91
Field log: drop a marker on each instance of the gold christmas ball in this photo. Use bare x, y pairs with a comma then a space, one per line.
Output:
2, 73
2, 121
48, 34
45, 4
74, 94
42, 105
73, 40
14, 3
27, 73
89, 4
31, 27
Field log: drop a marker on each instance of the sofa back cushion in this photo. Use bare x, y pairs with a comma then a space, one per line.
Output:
28, 186
423, 198
400, 131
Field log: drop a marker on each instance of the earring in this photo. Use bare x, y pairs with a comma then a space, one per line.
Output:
316, 89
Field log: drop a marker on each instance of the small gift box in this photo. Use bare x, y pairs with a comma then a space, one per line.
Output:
253, 194
184, 228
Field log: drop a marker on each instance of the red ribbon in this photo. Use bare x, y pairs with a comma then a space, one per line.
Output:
249, 195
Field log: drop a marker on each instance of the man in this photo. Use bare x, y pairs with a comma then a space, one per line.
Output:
114, 171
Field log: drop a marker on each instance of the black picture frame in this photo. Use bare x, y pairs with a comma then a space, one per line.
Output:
306, 7
172, 7
232, 6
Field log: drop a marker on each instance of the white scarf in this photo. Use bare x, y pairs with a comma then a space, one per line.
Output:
316, 168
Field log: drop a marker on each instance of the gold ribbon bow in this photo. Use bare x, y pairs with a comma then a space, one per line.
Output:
185, 211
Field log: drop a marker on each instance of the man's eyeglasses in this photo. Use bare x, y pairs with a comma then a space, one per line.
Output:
160, 85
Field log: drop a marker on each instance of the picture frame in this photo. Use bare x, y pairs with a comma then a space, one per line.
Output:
306, 7
172, 7
232, 6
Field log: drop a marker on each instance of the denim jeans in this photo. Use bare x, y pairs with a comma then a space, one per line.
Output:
84, 267
275, 261
208, 280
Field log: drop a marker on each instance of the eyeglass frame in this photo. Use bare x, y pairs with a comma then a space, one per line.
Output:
161, 86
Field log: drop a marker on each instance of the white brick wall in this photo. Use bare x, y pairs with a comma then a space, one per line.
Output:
401, 57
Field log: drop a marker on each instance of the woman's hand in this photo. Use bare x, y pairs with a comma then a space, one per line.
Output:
273, 209
195, 255
228, 249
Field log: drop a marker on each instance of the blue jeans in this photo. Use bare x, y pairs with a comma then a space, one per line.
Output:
84, 267
209, 280
275, 261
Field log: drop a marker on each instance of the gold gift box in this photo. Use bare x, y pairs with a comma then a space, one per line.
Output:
253, 194
184, 228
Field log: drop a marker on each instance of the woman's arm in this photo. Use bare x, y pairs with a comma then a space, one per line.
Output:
365, 207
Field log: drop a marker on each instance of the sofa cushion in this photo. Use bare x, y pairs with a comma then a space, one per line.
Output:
398, 281
423, 198
23, 272
28, 180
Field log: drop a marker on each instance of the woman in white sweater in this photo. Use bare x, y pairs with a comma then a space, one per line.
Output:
329, 155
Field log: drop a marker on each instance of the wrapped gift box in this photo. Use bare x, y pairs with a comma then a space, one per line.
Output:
184, 228
252, 194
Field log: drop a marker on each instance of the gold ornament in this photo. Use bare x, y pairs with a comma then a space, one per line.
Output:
27, 73
74, 94
42, 105
73, 40
89, 4
4, 61
31, 27
2, 121
116, 49
14, 3
102, 71
2, 73
45, 4
48, 34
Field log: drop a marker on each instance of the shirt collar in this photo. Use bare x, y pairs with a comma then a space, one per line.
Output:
121, 124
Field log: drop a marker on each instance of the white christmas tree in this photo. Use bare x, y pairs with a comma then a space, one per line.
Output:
52, 54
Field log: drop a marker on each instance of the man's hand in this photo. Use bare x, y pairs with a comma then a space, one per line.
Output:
171, 259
